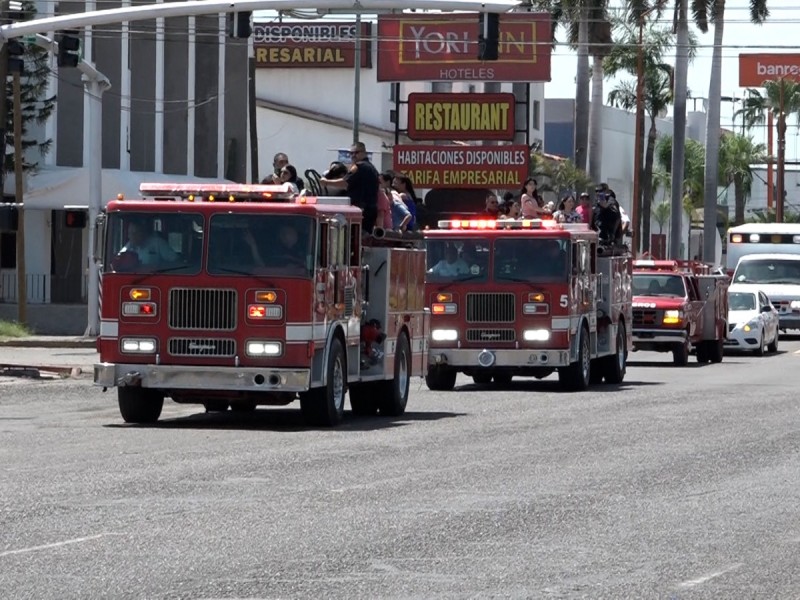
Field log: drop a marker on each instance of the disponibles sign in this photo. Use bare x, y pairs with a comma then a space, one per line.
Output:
314, 44
504, 167
461, 116
755, 69
417, 47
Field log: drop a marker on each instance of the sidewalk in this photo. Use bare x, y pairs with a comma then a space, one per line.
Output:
65, 356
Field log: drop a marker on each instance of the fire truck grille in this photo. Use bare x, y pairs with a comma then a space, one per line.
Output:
207, 309
490, 335
645, 318
490, 308
201, 347
349, 299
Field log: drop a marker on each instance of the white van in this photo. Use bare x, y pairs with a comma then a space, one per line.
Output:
761, 238
778, 276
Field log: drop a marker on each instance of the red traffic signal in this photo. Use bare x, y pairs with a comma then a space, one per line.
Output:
75, 218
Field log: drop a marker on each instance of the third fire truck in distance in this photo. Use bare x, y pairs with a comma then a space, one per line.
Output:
680, 306
237, 296
526, 298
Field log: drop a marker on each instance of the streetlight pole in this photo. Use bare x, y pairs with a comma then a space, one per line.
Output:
781, 154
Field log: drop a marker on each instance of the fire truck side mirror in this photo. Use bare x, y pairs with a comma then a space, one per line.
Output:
99, 238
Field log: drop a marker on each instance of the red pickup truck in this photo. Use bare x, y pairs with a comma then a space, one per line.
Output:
679, 306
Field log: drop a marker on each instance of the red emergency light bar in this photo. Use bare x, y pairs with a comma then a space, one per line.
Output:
212, 192
688, 266
498, 224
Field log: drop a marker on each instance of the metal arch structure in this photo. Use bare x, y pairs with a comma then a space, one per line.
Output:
208, 7
96, 83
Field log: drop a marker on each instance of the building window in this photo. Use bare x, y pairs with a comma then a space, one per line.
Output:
394, 91
537, 106
471, 88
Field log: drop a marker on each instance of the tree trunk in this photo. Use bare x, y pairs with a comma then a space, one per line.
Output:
582, 91
647, 183
679, 128
781, 189
596, 122
711, 176
738, 198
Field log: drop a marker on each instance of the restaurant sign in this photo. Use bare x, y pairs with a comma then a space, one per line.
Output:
499, 167
461, 116
310, 45
424, 47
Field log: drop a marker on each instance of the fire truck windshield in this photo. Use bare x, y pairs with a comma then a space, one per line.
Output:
261, 244
652, 284
456, 260
530, 259
147, 243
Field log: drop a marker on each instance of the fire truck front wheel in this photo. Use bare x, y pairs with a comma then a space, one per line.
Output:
577, 375
440, 378
324, 406
139, 405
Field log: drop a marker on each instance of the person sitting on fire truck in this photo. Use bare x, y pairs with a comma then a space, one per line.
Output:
606, 218
149, 249
451, 265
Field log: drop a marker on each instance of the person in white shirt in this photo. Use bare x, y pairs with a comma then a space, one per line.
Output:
451, 265
150, 249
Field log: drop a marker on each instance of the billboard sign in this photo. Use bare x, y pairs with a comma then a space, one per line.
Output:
417, 47
497, 167
755, 69
461, 116
310, 45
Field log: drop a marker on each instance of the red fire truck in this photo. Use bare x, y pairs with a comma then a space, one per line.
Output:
244, 295
679, 306
525, 297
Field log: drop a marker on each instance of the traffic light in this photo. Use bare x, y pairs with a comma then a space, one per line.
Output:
488, 36
75, 218
239, 24
69, 45
15, 50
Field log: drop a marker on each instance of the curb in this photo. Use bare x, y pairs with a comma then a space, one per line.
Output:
48, 342
35, 372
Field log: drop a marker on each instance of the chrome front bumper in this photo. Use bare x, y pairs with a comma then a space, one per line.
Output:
179, 377
498, 358
658, 336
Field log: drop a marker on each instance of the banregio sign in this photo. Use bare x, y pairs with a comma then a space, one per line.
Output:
461, 116
310, 45
499, 167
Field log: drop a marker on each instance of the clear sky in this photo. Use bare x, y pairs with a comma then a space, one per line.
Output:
779, 34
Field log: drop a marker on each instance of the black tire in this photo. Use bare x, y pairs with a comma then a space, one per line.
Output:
576, 376
393, 396
762, 344
482, 378
216, 406
244, 406
773, 345
502, 378
596, 373
324, 406
363, 399
615, 366
680, 354
702, 353
440, 378
139, 405
716, 350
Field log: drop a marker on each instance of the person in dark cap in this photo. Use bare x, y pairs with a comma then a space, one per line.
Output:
606, 218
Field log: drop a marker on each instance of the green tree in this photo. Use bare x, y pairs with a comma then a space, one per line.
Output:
661, 215
36, 106
737, 155
559, 176
780, 93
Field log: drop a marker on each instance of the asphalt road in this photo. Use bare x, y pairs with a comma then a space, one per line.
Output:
680, 483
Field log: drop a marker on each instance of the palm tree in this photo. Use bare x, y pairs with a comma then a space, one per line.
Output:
716, 10
658, 81
661, 215
588, 29
781, 93
737, 155
600, 43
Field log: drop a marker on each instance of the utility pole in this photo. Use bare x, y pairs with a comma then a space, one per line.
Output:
3, 101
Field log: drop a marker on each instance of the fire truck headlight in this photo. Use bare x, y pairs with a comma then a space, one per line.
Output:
536, 335
444, 335
139, 309
672, 317
535, 308
256, 348
138, 345
446, 308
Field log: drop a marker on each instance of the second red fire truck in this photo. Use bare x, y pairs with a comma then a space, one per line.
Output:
234, 296
526, 298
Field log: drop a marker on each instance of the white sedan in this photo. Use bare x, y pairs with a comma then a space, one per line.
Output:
753, 322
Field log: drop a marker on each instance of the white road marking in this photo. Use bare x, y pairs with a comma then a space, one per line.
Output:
56, 544
708, 577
